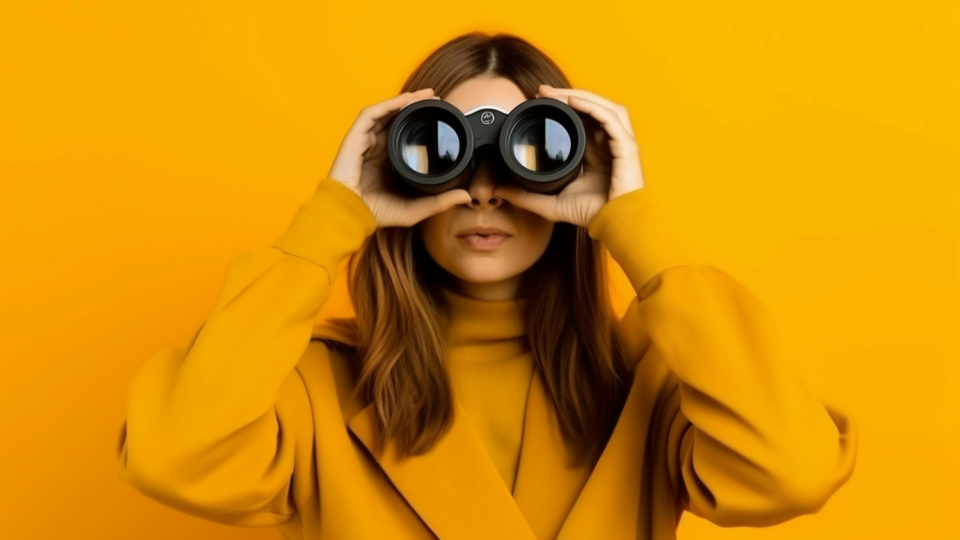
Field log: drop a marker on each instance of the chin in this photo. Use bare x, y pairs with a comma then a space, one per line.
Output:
486, 277
471, 278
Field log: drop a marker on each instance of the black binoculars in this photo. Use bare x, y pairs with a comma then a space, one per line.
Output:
434, 147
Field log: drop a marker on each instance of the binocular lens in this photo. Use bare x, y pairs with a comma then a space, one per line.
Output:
541, 144
429, 145
433, 146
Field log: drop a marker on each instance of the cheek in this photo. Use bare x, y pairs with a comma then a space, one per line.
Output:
432, 232
538, 233
532, 244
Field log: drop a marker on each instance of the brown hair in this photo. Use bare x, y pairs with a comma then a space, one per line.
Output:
573, 331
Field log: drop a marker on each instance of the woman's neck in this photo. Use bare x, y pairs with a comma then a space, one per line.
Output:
472, 321
496, 290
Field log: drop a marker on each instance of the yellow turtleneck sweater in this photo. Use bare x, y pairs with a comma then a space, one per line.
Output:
489, 362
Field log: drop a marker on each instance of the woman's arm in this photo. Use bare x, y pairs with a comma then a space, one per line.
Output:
748, 442
222, 428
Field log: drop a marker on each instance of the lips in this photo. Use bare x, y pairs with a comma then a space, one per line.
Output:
483, 231
484, 242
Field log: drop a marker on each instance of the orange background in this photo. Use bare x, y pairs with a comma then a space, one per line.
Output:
809, 149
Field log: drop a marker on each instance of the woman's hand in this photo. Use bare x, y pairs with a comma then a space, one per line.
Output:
362, 164
611, 163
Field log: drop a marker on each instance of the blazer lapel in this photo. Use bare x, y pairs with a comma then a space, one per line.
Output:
597, 501
454, 487
547, 485
610, 502
458, 492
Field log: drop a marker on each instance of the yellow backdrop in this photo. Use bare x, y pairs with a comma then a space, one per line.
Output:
809, 149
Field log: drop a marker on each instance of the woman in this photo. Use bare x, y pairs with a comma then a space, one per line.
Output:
485, 388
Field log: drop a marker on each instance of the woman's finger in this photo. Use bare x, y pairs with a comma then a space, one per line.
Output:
378, 146
538, 203
423, 207
596, 156
621, 110
622, 144
373, 117
382, 122
579, 92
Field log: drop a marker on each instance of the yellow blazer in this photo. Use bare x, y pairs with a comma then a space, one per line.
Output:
254, 423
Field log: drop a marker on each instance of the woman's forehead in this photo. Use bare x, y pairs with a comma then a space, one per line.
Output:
497, 91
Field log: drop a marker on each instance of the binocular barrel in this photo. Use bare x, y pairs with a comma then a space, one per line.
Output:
434, 147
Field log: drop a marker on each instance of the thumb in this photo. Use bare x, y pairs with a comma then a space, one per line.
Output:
423, 207
453, 197
544, 205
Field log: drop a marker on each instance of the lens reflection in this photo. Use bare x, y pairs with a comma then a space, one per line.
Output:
541, 144
430, 146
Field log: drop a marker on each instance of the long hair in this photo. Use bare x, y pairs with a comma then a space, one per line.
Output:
573, 332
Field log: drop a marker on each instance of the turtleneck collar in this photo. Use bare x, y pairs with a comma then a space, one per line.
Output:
475, 321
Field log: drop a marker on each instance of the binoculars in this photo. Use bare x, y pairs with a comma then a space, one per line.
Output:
434, 147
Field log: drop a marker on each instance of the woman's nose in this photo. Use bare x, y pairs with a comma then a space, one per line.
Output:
481, 187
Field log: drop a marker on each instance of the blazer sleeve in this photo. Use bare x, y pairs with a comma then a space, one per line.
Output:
748, 443
222, 428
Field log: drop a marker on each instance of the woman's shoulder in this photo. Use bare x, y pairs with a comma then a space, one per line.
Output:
329, 367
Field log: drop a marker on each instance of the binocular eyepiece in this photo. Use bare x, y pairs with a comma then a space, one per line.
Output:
434, 147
